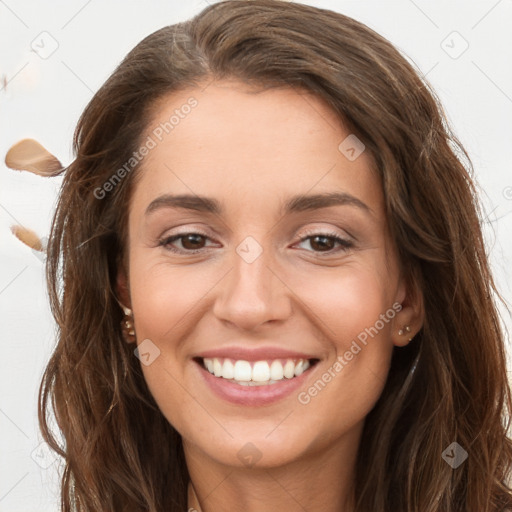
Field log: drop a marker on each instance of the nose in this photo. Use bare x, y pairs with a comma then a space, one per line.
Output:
252, 293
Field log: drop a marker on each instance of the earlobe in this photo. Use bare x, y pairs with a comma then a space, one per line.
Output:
122, 290
127, 327
405, 336
409, 319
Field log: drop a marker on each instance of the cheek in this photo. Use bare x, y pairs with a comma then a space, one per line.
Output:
353, 308
346, 301
162, 297
164, 301
168, 302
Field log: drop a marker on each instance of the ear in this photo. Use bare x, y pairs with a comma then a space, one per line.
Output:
412, 312
122, 287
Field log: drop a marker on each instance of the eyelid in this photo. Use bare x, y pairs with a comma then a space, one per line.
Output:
189, 229
186, 230
329, 230
324, 231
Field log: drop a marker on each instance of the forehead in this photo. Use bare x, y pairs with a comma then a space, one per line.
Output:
251, 148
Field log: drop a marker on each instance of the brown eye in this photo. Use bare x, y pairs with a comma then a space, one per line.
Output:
322, 243
190, 242
326, 242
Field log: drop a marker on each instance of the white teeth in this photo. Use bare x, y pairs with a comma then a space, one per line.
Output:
228, 369
252, 383
217, 368
276, 370
260, 373
242, 370
289, 369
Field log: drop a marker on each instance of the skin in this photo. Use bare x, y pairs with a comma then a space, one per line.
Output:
251, 152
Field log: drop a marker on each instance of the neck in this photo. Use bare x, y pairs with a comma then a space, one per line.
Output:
193, 501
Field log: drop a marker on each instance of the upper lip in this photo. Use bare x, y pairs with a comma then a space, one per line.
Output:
254, 354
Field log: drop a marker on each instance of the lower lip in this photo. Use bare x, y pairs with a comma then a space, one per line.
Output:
252, 395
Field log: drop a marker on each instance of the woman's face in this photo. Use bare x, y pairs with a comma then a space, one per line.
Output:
273, 275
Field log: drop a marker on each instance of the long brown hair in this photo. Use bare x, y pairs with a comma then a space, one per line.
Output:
448, 385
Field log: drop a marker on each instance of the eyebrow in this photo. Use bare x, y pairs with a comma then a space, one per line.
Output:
294, 204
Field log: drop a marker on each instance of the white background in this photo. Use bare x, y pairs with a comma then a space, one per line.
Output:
44, 98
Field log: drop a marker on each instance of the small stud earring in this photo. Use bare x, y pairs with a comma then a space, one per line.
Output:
407, 329
127, 327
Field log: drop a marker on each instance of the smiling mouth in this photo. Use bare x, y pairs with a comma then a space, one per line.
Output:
256, 373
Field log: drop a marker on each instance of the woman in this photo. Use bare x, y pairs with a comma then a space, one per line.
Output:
269, 202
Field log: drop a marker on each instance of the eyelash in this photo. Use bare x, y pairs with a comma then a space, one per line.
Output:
345, 244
